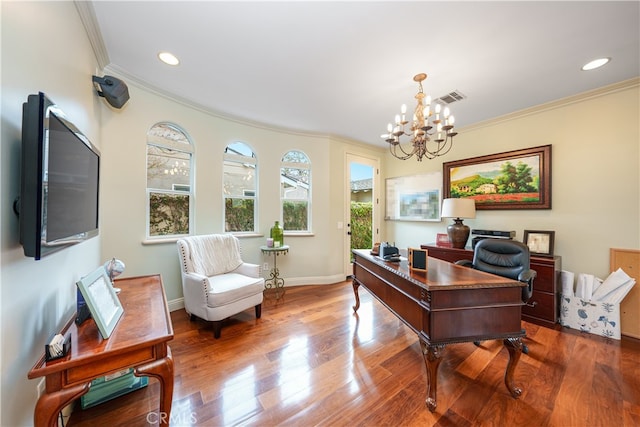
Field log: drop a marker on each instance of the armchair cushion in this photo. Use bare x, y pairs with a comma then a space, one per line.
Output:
228, 288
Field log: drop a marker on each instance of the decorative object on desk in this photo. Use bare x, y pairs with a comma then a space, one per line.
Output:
376, 249
114, 267
519, 179
539, 242
102, 300
423, 139
57, 347
442, 240
269, 242
387, 250
418, 259
277, 234
82, 309
458, 209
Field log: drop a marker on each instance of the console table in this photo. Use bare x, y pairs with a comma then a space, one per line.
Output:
447, 304
544, 306
139, 341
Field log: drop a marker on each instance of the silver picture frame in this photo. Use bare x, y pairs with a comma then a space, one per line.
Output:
102, 300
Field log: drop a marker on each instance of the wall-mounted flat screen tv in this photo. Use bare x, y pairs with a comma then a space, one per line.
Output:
58, 204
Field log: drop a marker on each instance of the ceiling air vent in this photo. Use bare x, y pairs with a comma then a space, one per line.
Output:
452, 97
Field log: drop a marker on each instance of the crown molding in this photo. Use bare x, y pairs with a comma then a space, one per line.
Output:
90, 22
559, 103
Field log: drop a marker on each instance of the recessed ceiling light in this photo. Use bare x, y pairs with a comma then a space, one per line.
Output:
168, 58
596, 63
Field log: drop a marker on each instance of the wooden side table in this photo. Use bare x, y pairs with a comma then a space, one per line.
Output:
275, 282
139, 341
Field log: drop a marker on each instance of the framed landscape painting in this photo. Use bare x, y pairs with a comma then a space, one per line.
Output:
519, 179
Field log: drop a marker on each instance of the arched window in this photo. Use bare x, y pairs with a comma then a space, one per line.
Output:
295, 192
169, 181
239, 188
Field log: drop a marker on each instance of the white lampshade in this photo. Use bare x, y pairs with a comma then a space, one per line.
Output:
458, 208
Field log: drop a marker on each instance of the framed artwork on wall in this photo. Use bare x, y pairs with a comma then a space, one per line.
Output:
519, 179
414, 197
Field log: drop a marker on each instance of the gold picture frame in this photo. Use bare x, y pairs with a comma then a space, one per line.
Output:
519, 179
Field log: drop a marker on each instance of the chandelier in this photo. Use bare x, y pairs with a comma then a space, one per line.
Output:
430, 135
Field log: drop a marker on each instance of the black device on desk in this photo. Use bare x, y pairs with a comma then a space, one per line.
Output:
389, 252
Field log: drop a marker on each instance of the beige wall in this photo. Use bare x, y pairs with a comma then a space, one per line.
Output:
595, 182
44, 48
311, 258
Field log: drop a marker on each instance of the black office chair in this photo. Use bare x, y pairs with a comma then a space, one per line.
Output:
506, 258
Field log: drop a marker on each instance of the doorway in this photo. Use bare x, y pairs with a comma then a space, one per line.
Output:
361, 216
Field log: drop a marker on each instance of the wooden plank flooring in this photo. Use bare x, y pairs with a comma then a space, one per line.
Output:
309, 361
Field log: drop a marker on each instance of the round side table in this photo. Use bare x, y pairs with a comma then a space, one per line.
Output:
275, 282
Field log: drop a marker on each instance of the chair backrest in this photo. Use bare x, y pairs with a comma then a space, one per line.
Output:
507, 258
209, 254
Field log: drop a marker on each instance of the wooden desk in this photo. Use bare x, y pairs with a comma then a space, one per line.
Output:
138, 341
447, 304
543, 307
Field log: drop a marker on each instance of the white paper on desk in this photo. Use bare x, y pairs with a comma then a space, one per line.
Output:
615, 286
566, 278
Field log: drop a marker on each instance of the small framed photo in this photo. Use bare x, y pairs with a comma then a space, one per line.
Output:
418, 259
104, 305
539, 242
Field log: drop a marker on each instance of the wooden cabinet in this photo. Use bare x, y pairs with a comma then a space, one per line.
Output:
544, 306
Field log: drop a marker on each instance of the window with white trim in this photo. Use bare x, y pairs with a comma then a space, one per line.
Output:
295, 192
169, 181
239, 188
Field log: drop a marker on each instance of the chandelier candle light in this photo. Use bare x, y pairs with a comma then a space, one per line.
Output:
422, 130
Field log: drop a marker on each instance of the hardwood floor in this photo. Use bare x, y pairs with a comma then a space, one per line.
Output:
309, 361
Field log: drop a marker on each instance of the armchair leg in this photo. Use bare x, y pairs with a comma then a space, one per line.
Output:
258, 311
217, 328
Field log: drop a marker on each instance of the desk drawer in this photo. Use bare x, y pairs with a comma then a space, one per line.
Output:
105, 366
545, 308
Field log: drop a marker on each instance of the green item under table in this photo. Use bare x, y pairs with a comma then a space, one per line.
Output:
112, 386
275, 282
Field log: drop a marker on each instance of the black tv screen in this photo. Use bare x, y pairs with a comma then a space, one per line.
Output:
60, 175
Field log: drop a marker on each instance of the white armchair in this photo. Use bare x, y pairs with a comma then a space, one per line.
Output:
216, 283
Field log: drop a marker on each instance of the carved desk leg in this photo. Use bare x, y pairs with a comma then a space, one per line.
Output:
432, 357
50, 404
514, 347
356, 285
161, 369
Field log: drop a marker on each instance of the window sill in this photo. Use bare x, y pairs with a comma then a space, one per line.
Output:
161, 241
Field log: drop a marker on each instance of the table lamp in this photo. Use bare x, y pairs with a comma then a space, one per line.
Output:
458, 209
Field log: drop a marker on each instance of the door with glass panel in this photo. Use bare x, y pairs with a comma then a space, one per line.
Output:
361, 218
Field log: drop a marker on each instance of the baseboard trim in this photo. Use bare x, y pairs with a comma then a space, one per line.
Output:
178, 303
